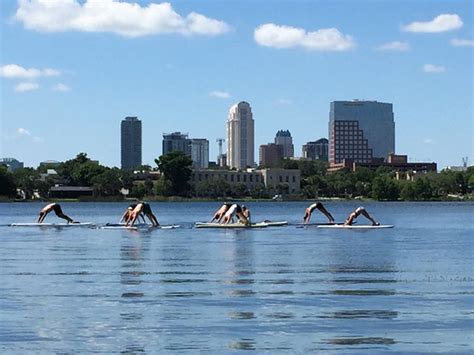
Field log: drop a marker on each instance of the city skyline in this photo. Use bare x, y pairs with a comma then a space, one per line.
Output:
62, 74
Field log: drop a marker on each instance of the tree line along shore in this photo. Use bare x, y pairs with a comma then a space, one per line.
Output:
170, 180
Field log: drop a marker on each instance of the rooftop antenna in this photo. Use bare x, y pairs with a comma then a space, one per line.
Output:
220, 141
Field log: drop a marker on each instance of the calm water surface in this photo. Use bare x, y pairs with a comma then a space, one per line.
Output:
287, 289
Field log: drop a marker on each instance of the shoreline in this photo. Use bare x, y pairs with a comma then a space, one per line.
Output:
269, 200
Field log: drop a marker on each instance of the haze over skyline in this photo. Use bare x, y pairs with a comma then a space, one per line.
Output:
71, 70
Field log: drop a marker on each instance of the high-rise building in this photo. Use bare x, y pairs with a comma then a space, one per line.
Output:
199, 149
176, 141
131, 143
270, 155
284, 138
360, 131
11, 163
240, 136
316, 150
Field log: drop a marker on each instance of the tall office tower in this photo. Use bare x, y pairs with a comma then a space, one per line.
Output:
240, 136
360, 131
284, 138
131, 143
316, 150
199, 149
175, 141
270, 155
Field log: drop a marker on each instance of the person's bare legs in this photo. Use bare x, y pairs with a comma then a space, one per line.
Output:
325, 212
153, 219
366, 215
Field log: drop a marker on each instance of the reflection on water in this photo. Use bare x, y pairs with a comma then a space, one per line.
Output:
359, 313
361, 341
363, 292
244, 344
293, 290
241, 315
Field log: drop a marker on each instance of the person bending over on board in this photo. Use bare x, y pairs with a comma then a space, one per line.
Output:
246, 213
142, 207
235, 209
127, 215
57, 209
221, 212
320, 207
356, 213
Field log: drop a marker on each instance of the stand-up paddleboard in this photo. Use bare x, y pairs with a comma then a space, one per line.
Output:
342, 226
231, 225
138, 226
276, 223
301, 225
83, 224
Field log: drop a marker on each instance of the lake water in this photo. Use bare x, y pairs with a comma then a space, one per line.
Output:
286, 289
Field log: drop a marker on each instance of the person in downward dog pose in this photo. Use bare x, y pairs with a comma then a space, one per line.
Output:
235, 209
142, 207
219, 214
127, 215
57, 209
320, 207
356, 213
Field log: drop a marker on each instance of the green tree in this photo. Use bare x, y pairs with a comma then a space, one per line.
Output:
238, 190
7, 183
149, 187
163, 187
26, 179
259, 191
212, 188
138, 191
423, 189
107, 182
384, 188
80, 170
407, 191
176, 168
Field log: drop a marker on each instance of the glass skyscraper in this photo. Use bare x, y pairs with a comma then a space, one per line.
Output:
284, 138
360, 131
131, 143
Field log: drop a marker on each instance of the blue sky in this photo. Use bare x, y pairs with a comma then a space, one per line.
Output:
71, 70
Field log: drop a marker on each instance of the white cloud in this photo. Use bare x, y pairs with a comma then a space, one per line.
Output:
24, 87
326, 39
428, 141
120, 17
395, 46
219, 94
61, 87
431, 68
441, 23
284, 101
14, 71
23, 132
456, 42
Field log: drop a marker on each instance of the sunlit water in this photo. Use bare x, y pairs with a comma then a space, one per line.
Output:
286, 289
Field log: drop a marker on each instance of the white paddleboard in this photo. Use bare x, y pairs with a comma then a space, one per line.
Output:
83, 224
137, 227
342, 226
230, 225
316, 224
276, 223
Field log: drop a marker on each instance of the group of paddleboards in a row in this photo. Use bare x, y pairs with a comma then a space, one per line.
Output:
229, 215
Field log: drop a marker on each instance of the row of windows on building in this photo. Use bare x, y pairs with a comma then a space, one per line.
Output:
243, 178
